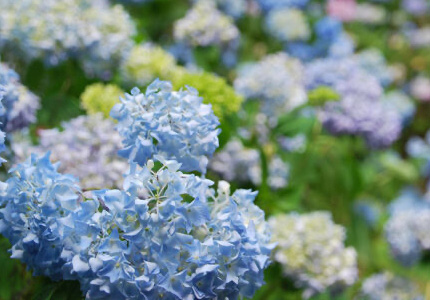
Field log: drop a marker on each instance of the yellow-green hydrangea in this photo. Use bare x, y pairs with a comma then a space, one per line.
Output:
99, 97
145, 63
214, 90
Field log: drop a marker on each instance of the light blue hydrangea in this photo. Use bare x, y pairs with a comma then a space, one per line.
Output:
86, 147
416, 7
172, 124
279, 173
204, 246
20, 104
33, 204
268, 5
407, 229
330, 41
93, 32
419, 148
167, 234
389, 287
277, 81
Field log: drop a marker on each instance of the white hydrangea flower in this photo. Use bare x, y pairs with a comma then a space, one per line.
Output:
311, 250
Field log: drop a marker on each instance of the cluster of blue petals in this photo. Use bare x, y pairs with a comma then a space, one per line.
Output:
164, 235
172, 124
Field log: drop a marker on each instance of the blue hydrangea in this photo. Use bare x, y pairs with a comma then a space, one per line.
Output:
172, 124
197, 244
373, 61
268, 5
419, 148
235, 9
407, 229
20, 104
33, 204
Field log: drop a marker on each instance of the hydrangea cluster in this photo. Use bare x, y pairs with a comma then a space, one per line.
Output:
416, 7
288, 24
420, 88
373, 61
145, 63
419, 148
205, 25
34, 202
311, 250
268, 5
165, 234
386, 286
277, 81
361, 111
99, 97
237, 163
20, 104
86, 148
404, 106
330, 41
92, 32
201, 246
407, 229
169, 123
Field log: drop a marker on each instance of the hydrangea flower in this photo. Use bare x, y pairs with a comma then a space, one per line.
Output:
86, 148
279, 173
277, 81
99, 97
269, 5
288, 24
311, 250
389, 287
420, 88
343, 10
166, 234
20, 104
361, 111
419, 148
145, 63
205, 25
93, 32
212, 245
401, 103
416, 7
295, 143
407, 229
373, 61
237, 163
33, 204
172, 124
